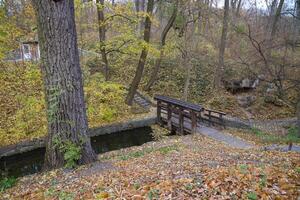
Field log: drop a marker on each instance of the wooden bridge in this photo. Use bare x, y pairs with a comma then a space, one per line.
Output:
182, 117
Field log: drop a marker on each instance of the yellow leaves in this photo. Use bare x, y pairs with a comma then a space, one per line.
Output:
102, 195
23, 105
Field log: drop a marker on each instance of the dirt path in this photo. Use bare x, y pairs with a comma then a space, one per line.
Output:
225, 138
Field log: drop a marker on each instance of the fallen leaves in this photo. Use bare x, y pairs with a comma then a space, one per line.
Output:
187, 167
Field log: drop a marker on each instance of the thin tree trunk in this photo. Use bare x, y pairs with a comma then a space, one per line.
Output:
275, 20
237, 13
137, 5
296, 23
102, 36
66, 111
273, 8
143, 10
272, 33
187, 80
162, 45
220, 68
140, 68
200, 17
298, 113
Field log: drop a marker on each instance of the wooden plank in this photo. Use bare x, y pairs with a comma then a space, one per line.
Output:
209, 117
181, 123
215, 111
170, 117
179, 103
193, 122
158, 112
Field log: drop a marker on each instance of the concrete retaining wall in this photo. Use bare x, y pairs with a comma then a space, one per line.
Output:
112, 128
264, 125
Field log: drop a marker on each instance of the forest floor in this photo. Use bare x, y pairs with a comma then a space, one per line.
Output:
175, 167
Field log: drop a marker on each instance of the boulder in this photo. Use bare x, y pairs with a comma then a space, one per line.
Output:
246, 83
245, 101
273, 99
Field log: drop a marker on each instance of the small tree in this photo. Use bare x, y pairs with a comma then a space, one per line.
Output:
162, 45
220, 68
140, 68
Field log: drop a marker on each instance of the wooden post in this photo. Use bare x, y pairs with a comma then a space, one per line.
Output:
181, 121
222, 120
193, 121
209, 118
170, 117
159, 112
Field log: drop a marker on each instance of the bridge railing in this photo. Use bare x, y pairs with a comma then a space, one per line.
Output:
181, 116
177, 115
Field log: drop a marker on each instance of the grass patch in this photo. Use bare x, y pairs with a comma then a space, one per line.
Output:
7, 183
137, 154
291, 137
167, 149
252, 196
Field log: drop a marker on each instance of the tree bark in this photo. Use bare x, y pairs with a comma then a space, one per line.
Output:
275, 20
296, 22
298, 114
102, 36
187, 80
272, 33
220, 68
137, 5
162, 45
273, 7
237, 13
140, 68
66, 111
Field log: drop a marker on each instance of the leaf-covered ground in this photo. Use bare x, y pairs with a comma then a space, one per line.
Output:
22, 104
186, 167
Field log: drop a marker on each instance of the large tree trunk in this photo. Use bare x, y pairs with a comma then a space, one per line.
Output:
220, 68
140, 68
102, 36
66, 111
162, 45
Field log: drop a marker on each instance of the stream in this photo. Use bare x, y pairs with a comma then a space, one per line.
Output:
31, 162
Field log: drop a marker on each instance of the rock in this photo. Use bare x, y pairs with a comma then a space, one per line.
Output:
278, 102
246, 83
255, 83
245, 101
242, 85
270, 99
273, 99
270, 88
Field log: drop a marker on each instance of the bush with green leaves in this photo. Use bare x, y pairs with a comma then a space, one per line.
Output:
7, 183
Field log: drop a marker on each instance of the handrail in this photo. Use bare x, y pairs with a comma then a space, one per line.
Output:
177, 102
181, 116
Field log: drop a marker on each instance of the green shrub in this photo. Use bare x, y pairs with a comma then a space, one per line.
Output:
7, 183
252, 196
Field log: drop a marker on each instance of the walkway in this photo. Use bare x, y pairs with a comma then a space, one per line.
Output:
236, 142
225, 138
